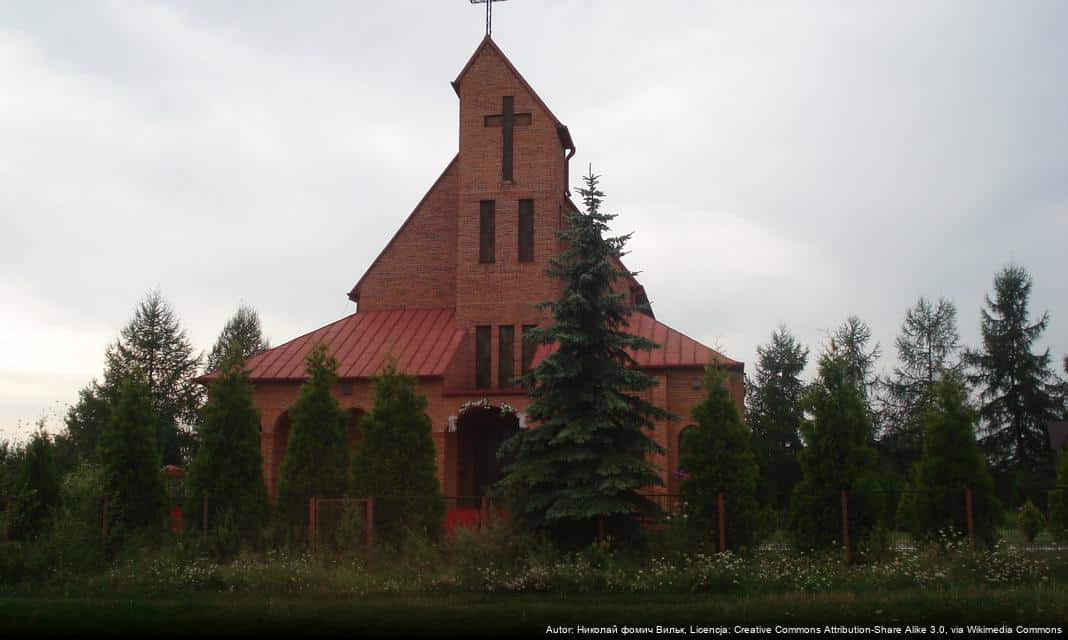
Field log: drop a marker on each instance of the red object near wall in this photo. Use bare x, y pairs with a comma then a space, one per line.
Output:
457, 517
176, 519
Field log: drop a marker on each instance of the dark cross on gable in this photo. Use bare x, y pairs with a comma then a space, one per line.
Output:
506, 120
489, 13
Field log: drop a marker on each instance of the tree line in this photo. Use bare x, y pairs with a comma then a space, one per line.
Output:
946, 419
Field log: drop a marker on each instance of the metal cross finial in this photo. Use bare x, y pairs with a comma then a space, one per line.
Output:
489, 13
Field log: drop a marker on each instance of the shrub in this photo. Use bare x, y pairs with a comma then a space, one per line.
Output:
836, 456
36, 490
228, 467
316, 462
718, 456
394, 459
130, 462
1030, 520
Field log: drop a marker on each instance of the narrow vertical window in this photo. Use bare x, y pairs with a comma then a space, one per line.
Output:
482, 356
487, 225
526, 230
506, 356
528, 347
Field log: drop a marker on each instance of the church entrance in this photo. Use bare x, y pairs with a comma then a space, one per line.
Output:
480, 431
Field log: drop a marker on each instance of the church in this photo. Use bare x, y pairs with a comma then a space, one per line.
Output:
454, 291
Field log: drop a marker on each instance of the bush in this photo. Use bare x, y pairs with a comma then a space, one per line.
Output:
36, 491
228, 467
316, 462
394, 460
130, 462
1030, 520
836, 456
718, 456
951, 460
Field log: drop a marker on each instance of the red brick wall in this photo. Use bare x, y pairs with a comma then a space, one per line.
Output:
418, 267
504, 292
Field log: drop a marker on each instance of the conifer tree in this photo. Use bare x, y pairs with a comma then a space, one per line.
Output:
86, 420
1014, 385
228, 467
317, 459
926, 349
774, 415
132, 469
717, 454
951, 462
36, 493
394, 459
836, 456
852, 342
154, 343
242, 330
585, 463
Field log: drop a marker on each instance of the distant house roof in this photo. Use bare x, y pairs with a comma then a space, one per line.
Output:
423, 341
676, 349
1058, 434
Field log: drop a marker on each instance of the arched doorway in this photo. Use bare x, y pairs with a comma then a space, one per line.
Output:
480, 431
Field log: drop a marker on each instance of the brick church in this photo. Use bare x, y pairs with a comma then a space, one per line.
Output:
453, 292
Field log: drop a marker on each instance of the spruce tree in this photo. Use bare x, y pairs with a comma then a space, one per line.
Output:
836, 456
228, 468
717, 454
951, 462
243, 332
1014, 386
36, 493
132, 469
394, 459
317, 460
586, 461
773, 398
154, 343
926, 349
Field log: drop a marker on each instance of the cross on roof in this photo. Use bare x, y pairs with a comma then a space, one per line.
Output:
489, 13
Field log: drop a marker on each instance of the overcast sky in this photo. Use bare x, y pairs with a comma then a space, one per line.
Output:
778, 162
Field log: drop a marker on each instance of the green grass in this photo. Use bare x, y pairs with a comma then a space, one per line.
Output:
523, 615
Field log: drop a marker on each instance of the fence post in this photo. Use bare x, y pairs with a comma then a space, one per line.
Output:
311, 521
721, 507
204, 518
971, 519
370, 521
600, 528
845, 524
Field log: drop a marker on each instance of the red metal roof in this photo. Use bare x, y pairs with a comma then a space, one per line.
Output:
676, 349
422, 340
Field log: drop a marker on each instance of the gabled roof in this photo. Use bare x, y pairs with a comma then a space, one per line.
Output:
676, 349
354, 293
487, 43
423, 341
